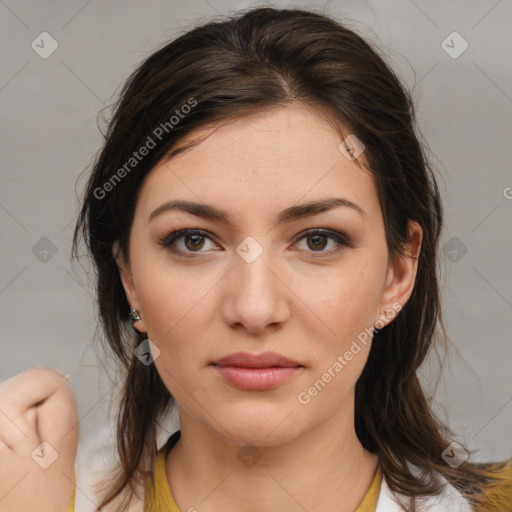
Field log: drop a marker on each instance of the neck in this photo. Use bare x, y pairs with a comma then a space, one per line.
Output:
325, 468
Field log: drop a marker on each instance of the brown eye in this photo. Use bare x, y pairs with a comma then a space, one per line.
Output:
196, 241
318, 240
193, 241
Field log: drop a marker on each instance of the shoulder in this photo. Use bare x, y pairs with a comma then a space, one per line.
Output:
97, 459
450, 500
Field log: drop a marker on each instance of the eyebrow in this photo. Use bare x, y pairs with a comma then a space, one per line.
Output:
289, 214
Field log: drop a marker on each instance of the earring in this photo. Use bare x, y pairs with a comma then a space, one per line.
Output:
134, 316
380, 320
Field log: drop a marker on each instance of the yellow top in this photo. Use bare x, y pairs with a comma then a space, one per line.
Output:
159, 496
71, 506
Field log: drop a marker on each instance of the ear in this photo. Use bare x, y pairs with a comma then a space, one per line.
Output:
400, 279
126, 276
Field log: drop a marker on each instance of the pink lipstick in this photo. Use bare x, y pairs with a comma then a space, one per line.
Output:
256, 371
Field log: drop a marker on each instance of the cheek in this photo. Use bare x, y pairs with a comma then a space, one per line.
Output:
344, 300
174, 299
347, 307
180, 312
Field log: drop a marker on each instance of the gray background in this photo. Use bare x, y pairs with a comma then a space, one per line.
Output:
49, 113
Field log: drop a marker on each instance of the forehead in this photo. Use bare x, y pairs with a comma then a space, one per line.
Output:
259, 162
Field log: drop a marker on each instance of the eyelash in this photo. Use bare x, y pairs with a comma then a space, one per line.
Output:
169, 240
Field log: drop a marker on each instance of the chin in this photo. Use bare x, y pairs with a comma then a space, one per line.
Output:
261, 430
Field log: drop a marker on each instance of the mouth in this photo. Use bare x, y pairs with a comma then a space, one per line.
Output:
256, 372
264, 360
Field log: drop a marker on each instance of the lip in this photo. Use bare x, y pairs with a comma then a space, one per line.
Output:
256, 371
264, 360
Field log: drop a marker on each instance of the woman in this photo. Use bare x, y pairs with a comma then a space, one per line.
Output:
263, 215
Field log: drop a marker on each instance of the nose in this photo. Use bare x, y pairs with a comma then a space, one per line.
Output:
255, 297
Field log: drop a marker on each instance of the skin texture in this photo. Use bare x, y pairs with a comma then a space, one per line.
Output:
301, 297
35, 406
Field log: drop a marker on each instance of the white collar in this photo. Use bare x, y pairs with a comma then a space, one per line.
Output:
450, 500
96, 460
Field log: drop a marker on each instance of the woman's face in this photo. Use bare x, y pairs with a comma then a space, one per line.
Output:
262, 280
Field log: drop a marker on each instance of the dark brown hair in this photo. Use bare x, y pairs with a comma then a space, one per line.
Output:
259, 60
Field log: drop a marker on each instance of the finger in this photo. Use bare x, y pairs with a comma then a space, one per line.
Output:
29, 388
57, 417
18, 434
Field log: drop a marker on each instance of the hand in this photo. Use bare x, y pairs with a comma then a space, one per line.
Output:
37, 406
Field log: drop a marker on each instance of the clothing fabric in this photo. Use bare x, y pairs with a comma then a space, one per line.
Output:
450, 500
378, 498
71, 506
159, 496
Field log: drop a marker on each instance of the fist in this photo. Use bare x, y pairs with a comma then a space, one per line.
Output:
38, 442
